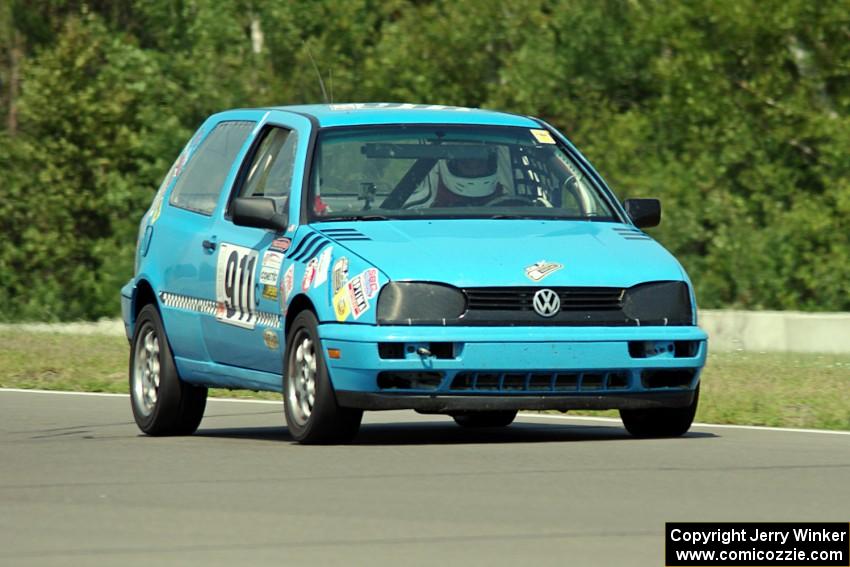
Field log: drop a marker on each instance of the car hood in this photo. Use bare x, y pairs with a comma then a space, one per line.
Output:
496, 252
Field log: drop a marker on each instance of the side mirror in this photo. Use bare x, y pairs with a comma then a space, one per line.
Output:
644, 213
258, 212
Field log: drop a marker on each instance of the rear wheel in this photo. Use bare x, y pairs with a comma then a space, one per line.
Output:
162, 403
312, 414
661, 422
485, 418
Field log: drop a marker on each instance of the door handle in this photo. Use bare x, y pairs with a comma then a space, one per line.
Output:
208, 245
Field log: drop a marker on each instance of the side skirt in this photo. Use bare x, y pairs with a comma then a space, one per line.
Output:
223, 376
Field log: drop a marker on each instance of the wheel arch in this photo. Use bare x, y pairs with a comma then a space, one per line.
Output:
143, 294
298, 304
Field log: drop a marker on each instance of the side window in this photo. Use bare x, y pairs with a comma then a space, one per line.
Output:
198, 187
270, 173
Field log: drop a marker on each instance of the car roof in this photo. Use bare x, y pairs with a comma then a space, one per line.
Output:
355, 114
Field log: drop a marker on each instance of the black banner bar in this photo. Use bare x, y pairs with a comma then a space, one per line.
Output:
767, 544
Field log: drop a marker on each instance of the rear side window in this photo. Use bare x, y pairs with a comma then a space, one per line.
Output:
199, 186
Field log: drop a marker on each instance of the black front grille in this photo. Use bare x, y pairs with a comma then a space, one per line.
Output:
409, 380
652, 303
537, 382
520, 298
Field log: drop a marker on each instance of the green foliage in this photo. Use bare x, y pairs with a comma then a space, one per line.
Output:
95, 143
733, 112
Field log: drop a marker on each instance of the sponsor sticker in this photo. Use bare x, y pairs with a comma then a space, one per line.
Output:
156, 207
280, 245
270, 292
541, 269
178, 165
357, 296
543, 136
309, 274
339, 275
288, 283
405, 106
270, 268
271, 339
342, 305
323, 267
370, 282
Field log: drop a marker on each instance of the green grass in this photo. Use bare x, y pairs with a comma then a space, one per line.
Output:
781, 390
774, 389
80, 363
788, 390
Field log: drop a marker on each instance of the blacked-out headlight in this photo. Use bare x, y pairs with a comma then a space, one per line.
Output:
416, 303
659, 303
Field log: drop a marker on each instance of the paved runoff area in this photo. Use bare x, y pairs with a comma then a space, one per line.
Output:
79, 485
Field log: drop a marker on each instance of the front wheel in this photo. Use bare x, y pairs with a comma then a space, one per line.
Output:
309, 403
485, 418
660, 422
162, 403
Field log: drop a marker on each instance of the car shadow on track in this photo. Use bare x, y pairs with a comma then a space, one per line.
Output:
449, 434
430, 433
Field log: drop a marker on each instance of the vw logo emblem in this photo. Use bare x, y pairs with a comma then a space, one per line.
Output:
546, 303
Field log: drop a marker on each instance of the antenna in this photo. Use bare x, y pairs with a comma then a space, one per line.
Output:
331, 73
319, 75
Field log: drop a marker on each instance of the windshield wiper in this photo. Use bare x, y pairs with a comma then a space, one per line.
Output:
356, 218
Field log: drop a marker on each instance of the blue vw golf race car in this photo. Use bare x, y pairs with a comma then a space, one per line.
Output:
388, 256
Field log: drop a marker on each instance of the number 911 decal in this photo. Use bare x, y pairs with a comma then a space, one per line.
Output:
234, 286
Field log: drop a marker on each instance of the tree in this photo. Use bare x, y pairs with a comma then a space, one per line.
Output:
734, 112
93, 143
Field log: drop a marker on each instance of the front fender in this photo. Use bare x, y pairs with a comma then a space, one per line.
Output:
342, 286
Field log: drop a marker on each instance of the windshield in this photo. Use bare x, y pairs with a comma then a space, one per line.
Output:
467, 171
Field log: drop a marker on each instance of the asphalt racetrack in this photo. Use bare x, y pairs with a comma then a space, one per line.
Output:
79, 485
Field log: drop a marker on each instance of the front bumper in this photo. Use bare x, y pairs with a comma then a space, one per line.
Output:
443, 403
500, 368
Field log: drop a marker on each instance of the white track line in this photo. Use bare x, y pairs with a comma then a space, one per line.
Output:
695, 424
110, 395
63, 392
528, 415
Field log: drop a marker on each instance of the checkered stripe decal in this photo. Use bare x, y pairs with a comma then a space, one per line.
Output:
265, 319
207, 307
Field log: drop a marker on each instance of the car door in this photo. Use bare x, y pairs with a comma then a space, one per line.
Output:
246, 329
180, 229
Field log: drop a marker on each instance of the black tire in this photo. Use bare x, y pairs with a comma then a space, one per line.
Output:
305, 373
162, 403
485, 418
661, 422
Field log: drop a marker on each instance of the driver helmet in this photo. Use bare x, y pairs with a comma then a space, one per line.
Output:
471, 177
